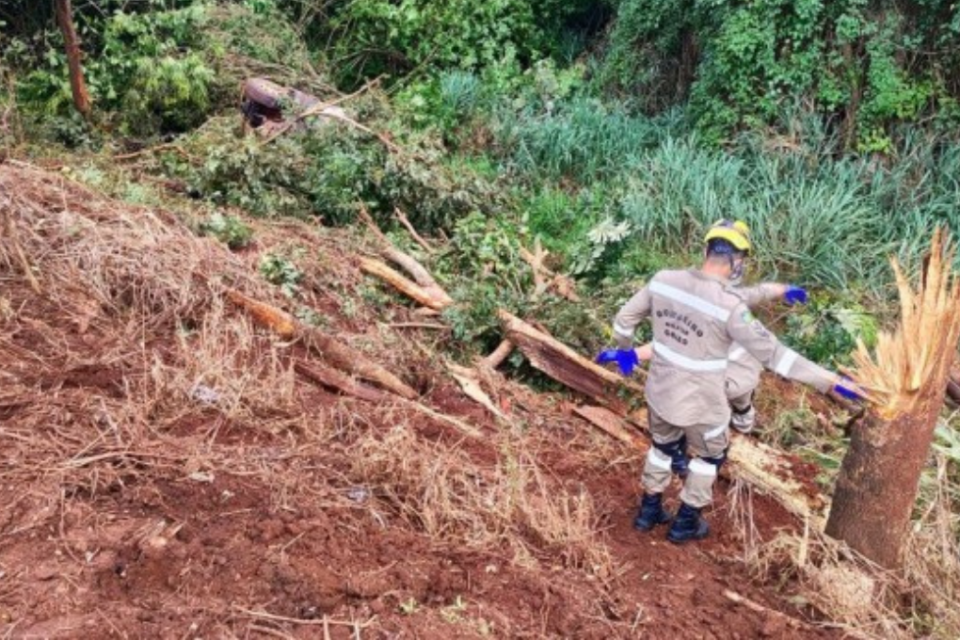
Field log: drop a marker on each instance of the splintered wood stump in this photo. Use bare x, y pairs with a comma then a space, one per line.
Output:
565, 365
878, 480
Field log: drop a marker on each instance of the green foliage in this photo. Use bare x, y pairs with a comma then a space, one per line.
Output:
139, 70
740, 63
229, 230
579, 138
827, 331
282, 272
329, 171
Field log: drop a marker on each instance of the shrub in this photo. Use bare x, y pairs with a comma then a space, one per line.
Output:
229, 230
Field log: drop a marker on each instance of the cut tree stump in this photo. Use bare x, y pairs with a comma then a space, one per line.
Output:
907, 377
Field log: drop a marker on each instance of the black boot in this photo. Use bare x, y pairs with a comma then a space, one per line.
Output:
651, 512
688, 525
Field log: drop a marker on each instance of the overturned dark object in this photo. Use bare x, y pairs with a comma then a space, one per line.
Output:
265, 104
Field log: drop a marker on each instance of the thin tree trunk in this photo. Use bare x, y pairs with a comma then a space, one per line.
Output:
81, 99
879, 476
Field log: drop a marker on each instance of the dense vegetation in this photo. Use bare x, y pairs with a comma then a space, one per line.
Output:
611, 130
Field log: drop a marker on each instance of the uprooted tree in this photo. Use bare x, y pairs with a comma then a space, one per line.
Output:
879, 477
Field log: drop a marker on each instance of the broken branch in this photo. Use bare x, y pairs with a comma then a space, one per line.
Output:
402, 217
428, 298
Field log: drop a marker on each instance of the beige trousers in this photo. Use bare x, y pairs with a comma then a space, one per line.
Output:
703, 440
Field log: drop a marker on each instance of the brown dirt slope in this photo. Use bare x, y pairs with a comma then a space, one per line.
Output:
167, 474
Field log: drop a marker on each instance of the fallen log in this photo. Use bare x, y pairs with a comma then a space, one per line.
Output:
277, 320
334, 379
611, 424
331, 349
565, 365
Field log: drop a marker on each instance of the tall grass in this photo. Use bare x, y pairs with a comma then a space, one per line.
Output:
817, 217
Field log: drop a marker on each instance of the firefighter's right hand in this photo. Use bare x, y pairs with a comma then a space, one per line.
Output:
847, 388
626, 359
794, 295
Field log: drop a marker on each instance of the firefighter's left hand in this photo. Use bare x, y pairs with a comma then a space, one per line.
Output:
626, 359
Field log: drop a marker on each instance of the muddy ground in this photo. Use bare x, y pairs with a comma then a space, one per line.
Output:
135, 506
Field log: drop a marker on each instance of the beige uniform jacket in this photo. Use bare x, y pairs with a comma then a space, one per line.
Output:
696, 318
743, 370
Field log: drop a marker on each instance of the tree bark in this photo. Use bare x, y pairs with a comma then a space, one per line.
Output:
565, 365
907, 376
878, 482
81, 98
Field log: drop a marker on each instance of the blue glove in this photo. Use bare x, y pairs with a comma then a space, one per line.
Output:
843, 390
795, 294
626, 359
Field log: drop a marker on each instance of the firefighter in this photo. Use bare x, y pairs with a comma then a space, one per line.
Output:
743, 370
697, 316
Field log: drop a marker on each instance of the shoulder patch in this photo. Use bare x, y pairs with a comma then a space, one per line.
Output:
747, 316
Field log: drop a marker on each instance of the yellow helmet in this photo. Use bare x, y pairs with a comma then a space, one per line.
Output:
736, 233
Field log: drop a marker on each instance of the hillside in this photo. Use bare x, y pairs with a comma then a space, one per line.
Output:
169, 473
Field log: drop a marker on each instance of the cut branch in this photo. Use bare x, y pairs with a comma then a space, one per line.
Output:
499, 355
407, 287
405, 221
337, 353
336, 380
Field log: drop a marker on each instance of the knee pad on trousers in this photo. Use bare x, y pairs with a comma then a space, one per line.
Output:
716, 461
677, 452
672, 449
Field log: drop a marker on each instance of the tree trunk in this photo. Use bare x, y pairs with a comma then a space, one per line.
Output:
878, 480
81, 99
877, 485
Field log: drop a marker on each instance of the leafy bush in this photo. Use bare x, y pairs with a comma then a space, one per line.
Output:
826, 331
865, 66
138, 70
373, 37
229, 230
282, 272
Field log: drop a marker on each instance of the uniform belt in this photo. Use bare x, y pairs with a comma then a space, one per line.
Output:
691, 364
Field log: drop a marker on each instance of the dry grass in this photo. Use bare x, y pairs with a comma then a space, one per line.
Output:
457, 501
163, 366
856, 595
